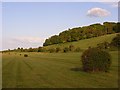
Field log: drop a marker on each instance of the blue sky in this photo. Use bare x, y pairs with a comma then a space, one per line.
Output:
28, 24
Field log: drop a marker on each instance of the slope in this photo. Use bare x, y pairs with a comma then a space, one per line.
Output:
83, 44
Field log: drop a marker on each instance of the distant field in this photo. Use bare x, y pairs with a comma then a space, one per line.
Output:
54, 70
83, 44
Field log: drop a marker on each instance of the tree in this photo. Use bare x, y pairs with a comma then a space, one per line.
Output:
116, 41
66, 49
84, 32
94, 59
39, 49
30, 49
71, 48
58, 49
47, 42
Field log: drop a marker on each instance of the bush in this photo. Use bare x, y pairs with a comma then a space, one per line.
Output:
51, 50
25, 55
116, 41
94, 59
66, 49
77, 49
39, 49
104, 45
58, 49
71, 48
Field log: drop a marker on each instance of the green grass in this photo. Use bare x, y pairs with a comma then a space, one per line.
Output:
83, 44
54, 70
57, 70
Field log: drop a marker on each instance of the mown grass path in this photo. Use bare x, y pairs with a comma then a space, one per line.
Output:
54, 70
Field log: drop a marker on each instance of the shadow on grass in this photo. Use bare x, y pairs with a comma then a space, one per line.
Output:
76, 69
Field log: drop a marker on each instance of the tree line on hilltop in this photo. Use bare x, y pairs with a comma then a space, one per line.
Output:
113, 45
76, 34
84, 32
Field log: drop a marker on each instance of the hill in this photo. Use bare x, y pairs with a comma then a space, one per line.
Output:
85, 32
85, 43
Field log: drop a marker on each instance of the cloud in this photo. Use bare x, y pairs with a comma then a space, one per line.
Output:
25, 42
29, 39
98, 12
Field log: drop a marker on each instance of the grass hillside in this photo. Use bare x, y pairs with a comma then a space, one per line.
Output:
83, 44
57, 70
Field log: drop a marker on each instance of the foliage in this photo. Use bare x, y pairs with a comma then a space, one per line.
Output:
66, 49
85, 32
39, 49
78, 49
58, 49
51, 50
71, 48
116, 41
25, 55
104, 45
94, 59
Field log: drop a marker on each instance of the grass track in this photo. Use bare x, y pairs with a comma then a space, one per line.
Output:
50, 70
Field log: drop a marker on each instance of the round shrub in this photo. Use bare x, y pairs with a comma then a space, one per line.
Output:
71, 48
51, 50
116, 41
25, 55
66, 49
78, 49
58, 49
94, 59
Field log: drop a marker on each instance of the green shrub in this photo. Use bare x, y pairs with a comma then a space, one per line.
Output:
94, 59
116, 41
39, 49
58, 49
25, 55
78, 49
71, 48
51, 50
104, 45
66, 49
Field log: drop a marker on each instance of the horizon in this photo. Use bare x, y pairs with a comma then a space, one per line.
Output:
60, 32
28, 24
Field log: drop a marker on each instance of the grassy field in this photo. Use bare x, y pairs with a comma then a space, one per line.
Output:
57, 70
84, 44
54, 70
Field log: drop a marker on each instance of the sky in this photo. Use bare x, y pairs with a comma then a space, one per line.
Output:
28, 24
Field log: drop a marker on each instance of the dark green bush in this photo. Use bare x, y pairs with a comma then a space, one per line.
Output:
51, 50
94, 59
104, 45
66, 49
25, 55
116, 41
39, 49
58, 49
71, 48
78, 49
